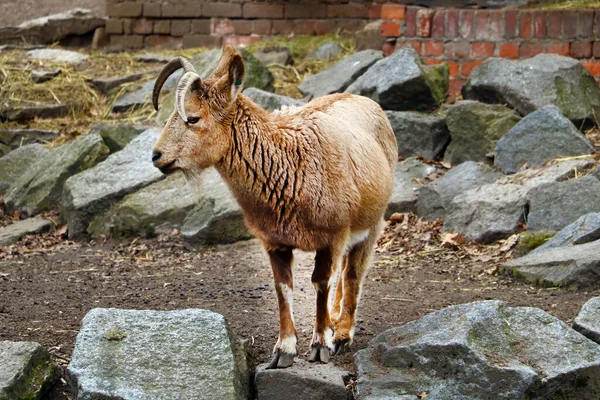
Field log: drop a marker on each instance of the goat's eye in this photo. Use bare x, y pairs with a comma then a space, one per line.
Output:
193, 120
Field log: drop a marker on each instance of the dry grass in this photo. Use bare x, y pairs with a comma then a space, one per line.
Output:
565, 4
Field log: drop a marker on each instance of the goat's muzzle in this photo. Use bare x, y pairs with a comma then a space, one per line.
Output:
165, 168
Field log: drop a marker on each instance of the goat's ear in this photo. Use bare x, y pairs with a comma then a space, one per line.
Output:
223, 67
237, 71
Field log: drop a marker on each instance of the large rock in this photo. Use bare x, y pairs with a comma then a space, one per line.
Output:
217, 218
406, 188
325, 52
587, 321
435, 197
15, 163
39, 188
402, 82
39, 111
307, 381
555, 205
482, 350
105, 85
586, 229
92, 192
144, 354
57, 56
474, 130
488, 213
116, 136
158, 208
418, 134
562, 266
543, 135
337, 78
279, 55
533, 83
14, 232
15, 138
26, 371
270, 101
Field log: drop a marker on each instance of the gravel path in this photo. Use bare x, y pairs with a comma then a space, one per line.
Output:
13, 12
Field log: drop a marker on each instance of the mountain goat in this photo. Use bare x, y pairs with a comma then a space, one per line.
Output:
315, 178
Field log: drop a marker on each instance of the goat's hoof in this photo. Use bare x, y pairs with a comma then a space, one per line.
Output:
281, 360
318, 352
341, 346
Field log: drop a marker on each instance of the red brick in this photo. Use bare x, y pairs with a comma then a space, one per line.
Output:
586, 24
581, 50
539, 25
424, 16
468, 66
388, 48
262, 26
592, 66
452, 68
570, 20
510, 24
151, 10
262, 10
482, 49
596, 50
221, 26
228, 10
452, 24
324, 26
162, 26
433, 48
410, 19
351, 10
159, 42
281, 27
237, 40
201, 41
509, 50
555, 21
127, 9
531, 49
560, 48
127, 26
241, 26
114, 26
201, 25
456, 85
393, 11
525, 22
458, 49
438, 23
390, 29
433, 61
415, 44
597, 23
374, 11
127, 41
142, 26
303, 11
482, 24
181, 10
467, 19
304, 26
180, 27
496, 28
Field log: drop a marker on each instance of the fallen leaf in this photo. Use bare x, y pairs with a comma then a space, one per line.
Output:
509, 243
452, 239
397, 218
15, 215
422, 395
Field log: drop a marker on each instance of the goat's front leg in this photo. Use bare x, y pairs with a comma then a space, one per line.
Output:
322, 340
285, 349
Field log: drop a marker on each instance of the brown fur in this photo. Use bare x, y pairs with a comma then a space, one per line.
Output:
306, 178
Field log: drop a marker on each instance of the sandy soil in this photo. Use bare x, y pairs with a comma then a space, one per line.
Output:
13, 12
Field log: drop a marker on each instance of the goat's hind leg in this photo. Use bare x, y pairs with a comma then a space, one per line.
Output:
285, 349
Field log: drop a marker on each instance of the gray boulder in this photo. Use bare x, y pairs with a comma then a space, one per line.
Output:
56, 55
562, 266
587, 321
482, 350
39, 188
474, 130
144, 354
90, 193
307, 381
105, 85
435, 197
488, 213
270, 101
541, 136
402, 82
158, 208
418, 134
555, 205
533, 83
15, 138
15, 163
41, 76
116, 136
137, 98
40, 111
26, 371
406, 188
217, 218
14, 232
152, 58
586, 229
338, 77
279, 55
325, 52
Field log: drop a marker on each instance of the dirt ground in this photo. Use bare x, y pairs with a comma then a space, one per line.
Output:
47, 285
13, 12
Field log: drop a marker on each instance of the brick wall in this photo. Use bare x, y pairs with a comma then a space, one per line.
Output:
461, 37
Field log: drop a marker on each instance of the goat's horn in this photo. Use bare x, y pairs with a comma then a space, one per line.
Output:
183, 86
166, 72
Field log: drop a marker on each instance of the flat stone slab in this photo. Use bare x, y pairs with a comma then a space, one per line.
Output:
57, 55
42, 111
306, 381
26, 371
14, 232
586, 229
406, 188
588, 320
145, 354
